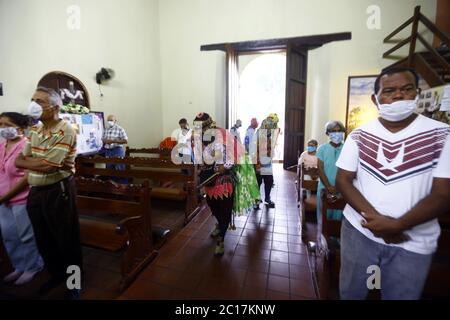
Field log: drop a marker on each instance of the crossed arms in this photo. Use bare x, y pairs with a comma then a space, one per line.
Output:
391, 229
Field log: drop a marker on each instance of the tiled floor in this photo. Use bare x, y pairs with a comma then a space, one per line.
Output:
264, 258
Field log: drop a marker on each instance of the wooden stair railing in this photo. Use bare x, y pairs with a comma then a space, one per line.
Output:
433, 64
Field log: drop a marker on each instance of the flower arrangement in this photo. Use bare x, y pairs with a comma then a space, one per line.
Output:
74, 108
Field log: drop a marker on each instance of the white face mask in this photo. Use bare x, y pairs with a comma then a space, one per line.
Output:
35, 110
111, 123
398, 110
9, 133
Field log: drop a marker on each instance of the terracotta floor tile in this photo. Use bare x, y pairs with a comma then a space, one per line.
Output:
294, 239
256, 279
280, 223
258, 265
279, 256
147, 291
240, 262
298, 259
302, 288
177, 294
280, 246
263, 254
252, 293
188, 282
279, 269
299, 272
232, 277
242, 251
277, 283
273, 295
268, 236
294, 297
297, 248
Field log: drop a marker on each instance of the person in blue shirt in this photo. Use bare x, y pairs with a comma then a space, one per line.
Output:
327, 156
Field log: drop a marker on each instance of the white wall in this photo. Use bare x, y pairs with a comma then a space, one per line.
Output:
154, 47
122, 35
193, 81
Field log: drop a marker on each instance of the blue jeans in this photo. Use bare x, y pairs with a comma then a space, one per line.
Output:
403, 273
18, 238
116, 152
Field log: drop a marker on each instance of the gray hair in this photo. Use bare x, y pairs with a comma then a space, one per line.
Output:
331, 124
54, 98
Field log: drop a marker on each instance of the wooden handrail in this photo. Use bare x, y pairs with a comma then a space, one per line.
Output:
430, 25
397, 46
415, 19
435, 54
415, 27
403, 26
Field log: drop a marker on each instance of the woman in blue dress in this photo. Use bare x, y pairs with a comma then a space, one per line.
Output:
327, 156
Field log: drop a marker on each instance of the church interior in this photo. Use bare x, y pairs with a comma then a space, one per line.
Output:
120, 199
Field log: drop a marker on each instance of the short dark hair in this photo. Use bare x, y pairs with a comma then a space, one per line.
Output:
182, 120
394, 70
20, 120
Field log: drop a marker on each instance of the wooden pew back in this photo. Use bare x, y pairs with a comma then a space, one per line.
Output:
155, 170
157, 153
116, 218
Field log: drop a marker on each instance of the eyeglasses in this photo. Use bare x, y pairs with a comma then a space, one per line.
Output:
389, 92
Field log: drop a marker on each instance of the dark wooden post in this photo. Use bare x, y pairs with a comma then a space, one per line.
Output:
412, 46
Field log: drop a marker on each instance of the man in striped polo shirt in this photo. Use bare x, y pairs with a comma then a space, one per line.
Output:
49, 157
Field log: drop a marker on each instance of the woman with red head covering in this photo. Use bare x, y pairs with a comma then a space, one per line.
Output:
216, 175
227, 175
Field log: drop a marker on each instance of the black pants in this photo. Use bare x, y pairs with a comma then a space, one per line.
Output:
268, 184
54, 217
222, 210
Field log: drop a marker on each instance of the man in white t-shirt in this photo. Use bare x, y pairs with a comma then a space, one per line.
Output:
394, 173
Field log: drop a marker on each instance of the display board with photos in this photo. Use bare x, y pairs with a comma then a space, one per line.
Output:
89, 128
435, 103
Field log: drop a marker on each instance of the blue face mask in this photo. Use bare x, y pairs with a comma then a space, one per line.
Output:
336, 137
311, 149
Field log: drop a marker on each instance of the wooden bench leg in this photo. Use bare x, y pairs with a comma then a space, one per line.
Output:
138, 252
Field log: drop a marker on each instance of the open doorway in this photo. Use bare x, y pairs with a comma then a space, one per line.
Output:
261, 91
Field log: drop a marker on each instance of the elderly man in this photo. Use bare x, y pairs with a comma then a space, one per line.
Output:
114, 139
49, 158
394, 173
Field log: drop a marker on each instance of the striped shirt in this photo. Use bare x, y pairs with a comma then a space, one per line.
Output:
57, 148
115, 132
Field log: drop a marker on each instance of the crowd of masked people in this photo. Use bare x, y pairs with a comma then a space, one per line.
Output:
393, 172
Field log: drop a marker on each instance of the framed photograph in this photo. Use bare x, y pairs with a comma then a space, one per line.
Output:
360, 108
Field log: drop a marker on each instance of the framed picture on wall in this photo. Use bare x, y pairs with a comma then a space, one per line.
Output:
360, 108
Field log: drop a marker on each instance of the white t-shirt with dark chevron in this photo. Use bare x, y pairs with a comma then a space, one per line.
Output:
394, 171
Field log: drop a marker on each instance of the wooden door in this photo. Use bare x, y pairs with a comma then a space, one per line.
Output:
294, 131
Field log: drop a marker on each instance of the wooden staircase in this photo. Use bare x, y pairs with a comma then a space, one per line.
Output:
434, 64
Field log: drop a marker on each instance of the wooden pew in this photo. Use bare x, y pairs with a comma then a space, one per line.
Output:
438, 280
306, 194
157, 153
115, 218
326, 259
155, 170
